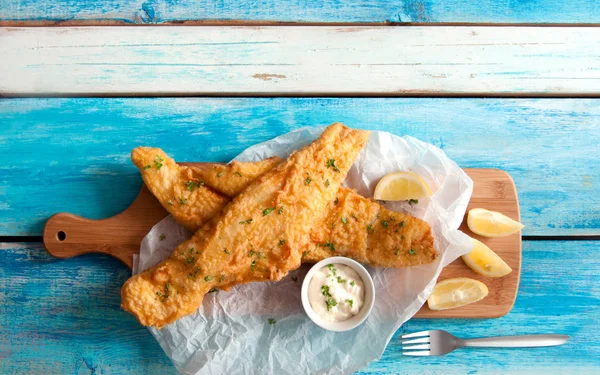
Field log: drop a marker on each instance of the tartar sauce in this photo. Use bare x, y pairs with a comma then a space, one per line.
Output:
336, 292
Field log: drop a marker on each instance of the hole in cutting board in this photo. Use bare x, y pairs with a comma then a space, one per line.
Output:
61, 236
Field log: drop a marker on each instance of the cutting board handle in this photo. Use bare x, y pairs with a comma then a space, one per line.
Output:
67, 235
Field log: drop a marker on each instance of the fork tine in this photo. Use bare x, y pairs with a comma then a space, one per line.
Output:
420, 354
416, 341
416, 334
416, 347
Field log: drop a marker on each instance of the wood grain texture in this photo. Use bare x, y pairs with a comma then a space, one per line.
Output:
68, 310
281, 60
120, 237
432, 11
72, 155
494, 190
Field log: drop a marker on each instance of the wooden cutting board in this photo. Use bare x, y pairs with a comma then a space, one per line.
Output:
67, 235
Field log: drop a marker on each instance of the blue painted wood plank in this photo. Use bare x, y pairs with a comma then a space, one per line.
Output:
63, 317
73, 154
558, 293
427, 11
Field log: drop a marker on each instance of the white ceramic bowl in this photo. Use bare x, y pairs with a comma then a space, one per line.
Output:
365, 310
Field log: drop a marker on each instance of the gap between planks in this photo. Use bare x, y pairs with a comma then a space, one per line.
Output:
109, 22
39, 239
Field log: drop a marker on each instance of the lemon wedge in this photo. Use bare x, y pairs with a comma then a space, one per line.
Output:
456, 292
401, 186
486, 262
491, 223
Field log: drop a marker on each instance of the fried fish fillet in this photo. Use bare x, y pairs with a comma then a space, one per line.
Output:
355, 226
259, 236
182, 191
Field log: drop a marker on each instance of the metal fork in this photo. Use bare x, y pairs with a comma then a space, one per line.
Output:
440, 342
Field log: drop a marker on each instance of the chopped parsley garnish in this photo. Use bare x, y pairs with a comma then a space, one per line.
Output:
272, 321
385, 223
221, 278
327, 183
282, 242
330, 303
191, 249
412, 202
158, 162
396, 251
345, 220
350, 302
307, 181
226, 251
237, 173
250, 253
294, 278
331, 164
170, 202
190, 185
280, 210
165, 295
190, 260
212, 290
332, 269
329, 245
182, 201
402, 236
402, 223
147, 166
220, 174
370, 228
325, 290
340, 280
246, 221
352, 283
253, 265
267, 211
412, 251
259, 255
305, 253
208, 278
162, 237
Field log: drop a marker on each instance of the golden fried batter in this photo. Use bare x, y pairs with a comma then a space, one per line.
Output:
230, 179
259, 236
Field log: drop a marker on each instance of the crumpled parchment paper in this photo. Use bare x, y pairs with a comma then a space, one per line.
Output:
230, 333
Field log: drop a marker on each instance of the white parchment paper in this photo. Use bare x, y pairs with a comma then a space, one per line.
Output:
230, 333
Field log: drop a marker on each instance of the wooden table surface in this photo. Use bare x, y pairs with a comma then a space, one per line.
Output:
510, 85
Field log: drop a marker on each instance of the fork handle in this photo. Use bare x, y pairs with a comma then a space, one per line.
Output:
523, 341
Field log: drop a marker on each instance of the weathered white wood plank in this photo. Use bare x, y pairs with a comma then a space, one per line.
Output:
300, 60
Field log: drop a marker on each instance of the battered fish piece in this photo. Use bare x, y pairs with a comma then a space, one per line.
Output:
182, 190
355, 226
259, 236
362, 229
231, 179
